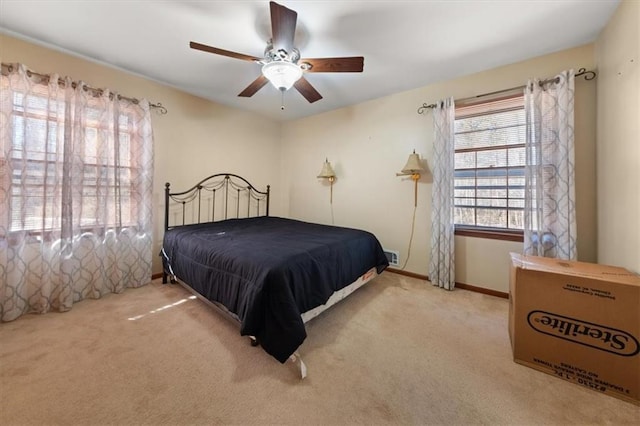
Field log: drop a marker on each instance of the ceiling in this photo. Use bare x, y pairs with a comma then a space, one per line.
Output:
406, 44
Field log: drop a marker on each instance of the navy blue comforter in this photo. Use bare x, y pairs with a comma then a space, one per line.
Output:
270, 270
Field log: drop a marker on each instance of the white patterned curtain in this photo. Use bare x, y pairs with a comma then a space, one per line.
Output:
76, 169
550, 213
442, 260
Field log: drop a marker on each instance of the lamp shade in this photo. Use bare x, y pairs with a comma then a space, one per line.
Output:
327, 170
282, 74
413, 165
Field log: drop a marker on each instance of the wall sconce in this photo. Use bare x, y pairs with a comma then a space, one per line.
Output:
328, 173
413, 169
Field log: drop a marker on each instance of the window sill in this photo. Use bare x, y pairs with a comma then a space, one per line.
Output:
492, 234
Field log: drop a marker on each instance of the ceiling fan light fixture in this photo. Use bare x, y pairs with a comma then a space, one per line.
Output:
282, 74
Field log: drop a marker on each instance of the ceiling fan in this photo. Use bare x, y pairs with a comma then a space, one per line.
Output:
281, 64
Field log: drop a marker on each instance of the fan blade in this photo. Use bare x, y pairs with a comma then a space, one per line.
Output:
222, 52
307, 90
350, 64
283, 27
256, 85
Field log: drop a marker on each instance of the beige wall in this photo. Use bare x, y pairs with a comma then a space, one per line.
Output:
618, 148
368, 143
195, 139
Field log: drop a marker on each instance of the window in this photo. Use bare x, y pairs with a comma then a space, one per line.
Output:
103, 171
489, 168
76, 188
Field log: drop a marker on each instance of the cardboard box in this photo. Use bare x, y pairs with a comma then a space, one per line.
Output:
577, 321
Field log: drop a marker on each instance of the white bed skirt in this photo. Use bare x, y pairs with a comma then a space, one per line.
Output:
340, 294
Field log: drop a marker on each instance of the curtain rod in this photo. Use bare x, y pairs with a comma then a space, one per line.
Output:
588, 75
8, 68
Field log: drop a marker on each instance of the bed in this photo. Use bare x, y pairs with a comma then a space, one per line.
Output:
270, 274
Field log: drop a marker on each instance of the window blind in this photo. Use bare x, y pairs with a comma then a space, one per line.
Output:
489, 164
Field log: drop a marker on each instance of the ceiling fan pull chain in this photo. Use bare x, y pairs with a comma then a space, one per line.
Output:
282, 100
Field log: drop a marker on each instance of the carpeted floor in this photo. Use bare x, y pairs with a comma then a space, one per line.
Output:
398, 351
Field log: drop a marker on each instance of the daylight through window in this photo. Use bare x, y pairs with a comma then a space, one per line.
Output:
105, 170
489, 165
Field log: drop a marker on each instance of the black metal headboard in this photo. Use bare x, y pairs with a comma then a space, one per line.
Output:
211, 198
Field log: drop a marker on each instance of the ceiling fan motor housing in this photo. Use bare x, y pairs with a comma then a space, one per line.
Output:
271, 54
